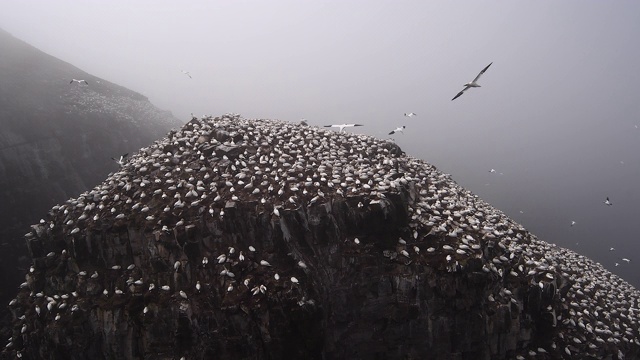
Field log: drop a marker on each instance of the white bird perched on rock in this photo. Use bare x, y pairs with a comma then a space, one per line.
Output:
294, 280
183, 294
264, 263
471, 84
342, 126
398, 130
78, 81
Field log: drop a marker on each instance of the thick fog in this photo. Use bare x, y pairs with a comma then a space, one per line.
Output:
557, 116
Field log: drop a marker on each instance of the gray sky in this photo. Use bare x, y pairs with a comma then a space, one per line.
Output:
556, 114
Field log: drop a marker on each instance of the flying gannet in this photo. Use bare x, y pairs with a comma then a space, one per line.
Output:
121, 160
342, 126
78, 81
472, 83
400, 130
411, 114
608, 202
186, 73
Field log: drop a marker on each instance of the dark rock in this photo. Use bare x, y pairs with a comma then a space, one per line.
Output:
57, 140
363, 253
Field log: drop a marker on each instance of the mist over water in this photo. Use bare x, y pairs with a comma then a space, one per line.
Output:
557, 115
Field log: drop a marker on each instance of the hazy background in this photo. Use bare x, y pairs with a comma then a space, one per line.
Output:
557, 115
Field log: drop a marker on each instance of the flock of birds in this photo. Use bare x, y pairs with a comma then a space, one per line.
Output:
198, 172
341, 127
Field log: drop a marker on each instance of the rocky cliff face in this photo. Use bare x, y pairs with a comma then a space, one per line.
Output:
57, 140
259, 239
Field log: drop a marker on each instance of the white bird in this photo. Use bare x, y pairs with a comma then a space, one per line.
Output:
121, 160
472, 83
607, 202
400, 130
625, 259
78, 81
342, 126
186, 73
573, 223
492, 170
611, 249
411, 114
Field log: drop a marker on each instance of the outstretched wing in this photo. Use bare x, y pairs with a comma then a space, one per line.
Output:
460, 93
482, 72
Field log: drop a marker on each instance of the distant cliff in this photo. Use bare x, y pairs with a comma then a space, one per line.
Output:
57, 140
260, 239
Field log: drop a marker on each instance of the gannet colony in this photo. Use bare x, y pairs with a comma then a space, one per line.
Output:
234, 238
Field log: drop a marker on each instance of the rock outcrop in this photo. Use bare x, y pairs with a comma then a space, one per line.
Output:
261, 239
57, 140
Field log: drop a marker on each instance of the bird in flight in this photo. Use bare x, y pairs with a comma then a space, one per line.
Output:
398, 130
78, 81
608, 202
492, 170
342, 126
410, 114
573, 223
471, 84
121, 160
186, 73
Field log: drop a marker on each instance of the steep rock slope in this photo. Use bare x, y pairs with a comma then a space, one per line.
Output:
57, 139
261, 239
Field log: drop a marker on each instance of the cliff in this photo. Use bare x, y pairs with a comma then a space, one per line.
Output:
260, 239
57, 140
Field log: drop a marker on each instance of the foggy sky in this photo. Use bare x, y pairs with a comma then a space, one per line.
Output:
556, 114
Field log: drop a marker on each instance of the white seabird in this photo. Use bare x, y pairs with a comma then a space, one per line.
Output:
121, 160
411, 114
342, 126
627, 260
186, 73
78, 81
471, 84
400, 130
608, 202
573, 223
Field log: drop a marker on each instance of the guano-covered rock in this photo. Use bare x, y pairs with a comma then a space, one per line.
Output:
261, 239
